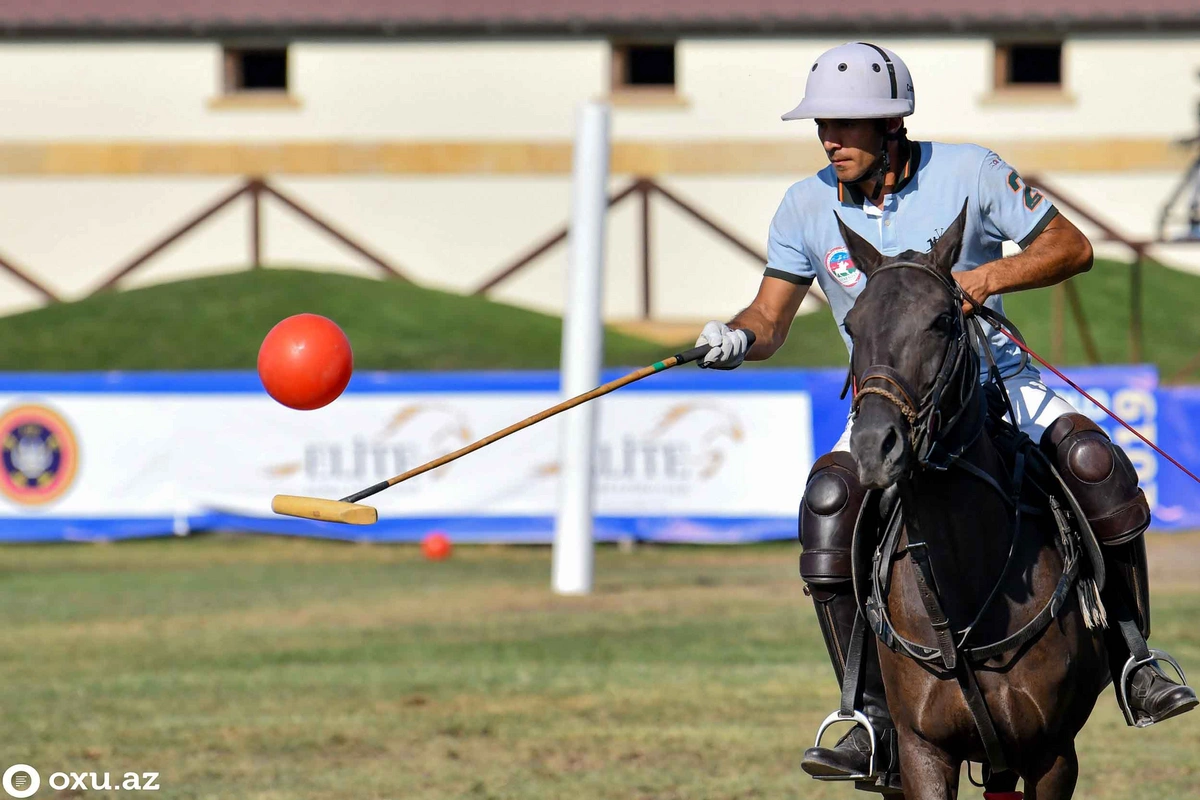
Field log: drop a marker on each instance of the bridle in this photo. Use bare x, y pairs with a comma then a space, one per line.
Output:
928, 424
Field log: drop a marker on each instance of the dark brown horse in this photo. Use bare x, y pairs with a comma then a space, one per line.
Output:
919, 427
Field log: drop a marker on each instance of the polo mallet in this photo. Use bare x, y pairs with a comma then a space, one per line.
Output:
350, 511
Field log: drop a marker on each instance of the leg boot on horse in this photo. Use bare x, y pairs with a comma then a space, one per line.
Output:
828, 514
1104, 484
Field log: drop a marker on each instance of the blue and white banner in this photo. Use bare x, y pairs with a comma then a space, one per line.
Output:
685, 456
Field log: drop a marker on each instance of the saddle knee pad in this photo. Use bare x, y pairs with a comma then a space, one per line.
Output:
1100, 476
828, 514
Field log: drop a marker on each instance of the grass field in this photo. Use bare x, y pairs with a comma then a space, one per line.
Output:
218, 323
258, 668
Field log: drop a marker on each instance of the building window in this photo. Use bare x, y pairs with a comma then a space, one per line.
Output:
641, 66
256, 69
1029, 64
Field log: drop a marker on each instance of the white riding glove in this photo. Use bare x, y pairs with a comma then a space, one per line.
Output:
728, 346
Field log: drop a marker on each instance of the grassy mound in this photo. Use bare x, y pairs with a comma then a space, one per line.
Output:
1171, 325
218, 322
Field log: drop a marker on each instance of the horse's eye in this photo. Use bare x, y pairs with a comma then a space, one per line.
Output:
943, 323
846, 328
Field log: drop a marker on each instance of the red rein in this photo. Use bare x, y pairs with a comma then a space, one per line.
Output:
1076, 387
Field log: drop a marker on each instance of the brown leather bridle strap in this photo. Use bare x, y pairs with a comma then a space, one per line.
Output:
881, 374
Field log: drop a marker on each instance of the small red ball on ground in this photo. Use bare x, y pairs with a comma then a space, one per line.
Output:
436, 546
305, 362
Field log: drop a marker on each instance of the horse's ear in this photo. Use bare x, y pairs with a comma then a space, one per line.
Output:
862, 252
948, 247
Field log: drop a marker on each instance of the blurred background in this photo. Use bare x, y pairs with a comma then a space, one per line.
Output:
178, 176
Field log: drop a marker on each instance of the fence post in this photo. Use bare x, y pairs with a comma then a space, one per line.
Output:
1085, 333
1135, 306
256, 223
647, 298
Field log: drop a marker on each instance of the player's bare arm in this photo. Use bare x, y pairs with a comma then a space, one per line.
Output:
1058, 253
770, 316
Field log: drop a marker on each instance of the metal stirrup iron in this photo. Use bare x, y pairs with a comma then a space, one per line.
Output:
851, 697
1131, 666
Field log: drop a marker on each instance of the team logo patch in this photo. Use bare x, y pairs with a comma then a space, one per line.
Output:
841, 266
39, 455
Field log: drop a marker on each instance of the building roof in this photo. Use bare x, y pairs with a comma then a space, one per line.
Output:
481, 17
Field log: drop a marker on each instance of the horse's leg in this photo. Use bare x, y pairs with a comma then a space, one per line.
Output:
926, 771
1055, 780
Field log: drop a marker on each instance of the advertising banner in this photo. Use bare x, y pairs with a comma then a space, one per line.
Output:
686, 456
700, 457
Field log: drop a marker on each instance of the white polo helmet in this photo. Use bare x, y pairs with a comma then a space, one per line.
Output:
856, 81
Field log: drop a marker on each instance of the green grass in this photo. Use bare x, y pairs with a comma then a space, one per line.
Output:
1171, 324
218, 322
266, 669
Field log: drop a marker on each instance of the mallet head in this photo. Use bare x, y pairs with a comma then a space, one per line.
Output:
324, 510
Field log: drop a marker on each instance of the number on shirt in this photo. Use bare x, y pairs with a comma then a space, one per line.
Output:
1033, 197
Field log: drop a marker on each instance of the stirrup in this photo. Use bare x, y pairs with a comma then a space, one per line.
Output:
861, 719
1123, 687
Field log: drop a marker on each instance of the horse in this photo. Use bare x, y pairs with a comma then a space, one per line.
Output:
994, 564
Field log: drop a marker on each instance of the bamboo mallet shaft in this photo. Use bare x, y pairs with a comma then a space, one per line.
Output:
688, 356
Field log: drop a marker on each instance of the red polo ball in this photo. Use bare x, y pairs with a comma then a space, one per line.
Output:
305, 362
436, 546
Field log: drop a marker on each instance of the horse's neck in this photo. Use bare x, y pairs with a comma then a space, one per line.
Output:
967, 526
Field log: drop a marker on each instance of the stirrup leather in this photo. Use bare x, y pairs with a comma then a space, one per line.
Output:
861, 719
1123, 687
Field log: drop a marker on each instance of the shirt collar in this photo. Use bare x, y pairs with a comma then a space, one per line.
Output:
849, 193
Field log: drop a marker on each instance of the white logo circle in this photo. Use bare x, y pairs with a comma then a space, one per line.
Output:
21, 780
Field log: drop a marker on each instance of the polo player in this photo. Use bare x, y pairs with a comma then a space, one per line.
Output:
894, 192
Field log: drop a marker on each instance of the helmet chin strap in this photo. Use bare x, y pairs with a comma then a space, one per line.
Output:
882, 164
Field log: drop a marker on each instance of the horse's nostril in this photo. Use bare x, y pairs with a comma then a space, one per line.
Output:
889, 441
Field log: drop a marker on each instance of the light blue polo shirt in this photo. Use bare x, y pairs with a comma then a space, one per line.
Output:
805, 243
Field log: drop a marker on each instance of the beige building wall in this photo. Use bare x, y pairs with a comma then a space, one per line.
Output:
98, 155
1115, 87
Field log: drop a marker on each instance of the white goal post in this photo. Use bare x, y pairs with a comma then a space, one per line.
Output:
582, 350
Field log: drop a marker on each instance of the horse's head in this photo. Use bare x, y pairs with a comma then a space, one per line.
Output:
907, 328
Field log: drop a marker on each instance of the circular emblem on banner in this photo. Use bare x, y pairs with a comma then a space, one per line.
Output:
38, 453
841, 266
